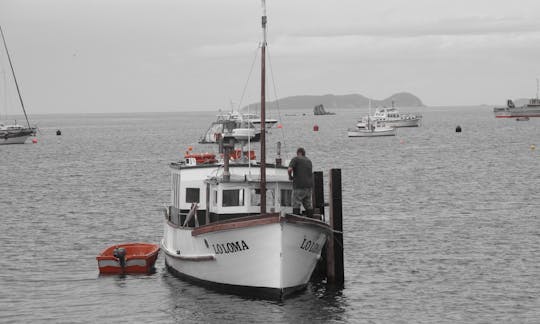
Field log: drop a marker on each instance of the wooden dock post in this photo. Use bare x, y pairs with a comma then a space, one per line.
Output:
318, 193
334, 253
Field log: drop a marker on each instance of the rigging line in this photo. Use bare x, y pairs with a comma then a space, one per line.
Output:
249, 76
14, 78
276, 101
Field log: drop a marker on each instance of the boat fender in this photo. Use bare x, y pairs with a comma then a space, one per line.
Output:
120, 254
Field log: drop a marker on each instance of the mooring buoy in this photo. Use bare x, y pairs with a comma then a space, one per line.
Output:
458, 129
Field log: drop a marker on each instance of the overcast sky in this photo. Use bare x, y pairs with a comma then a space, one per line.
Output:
85, 56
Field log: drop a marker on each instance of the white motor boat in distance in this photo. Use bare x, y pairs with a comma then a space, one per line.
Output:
530, 109
228, 123
392, 117
373, 128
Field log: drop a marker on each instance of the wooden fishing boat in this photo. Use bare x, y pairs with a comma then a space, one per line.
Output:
128, 258
230, 224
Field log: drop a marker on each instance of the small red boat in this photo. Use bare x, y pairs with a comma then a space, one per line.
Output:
128, 258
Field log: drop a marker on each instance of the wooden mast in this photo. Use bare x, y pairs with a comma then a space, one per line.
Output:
263, 112
14, 77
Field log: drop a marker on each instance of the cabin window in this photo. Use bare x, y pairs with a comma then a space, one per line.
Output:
233, 197
286, 197
192, 195
256, 197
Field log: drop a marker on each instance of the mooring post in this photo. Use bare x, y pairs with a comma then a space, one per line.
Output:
334, 260
318, 193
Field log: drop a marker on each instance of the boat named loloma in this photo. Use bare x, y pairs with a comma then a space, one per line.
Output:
215, 234
230, 223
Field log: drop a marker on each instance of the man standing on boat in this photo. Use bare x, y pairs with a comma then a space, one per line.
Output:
301, 173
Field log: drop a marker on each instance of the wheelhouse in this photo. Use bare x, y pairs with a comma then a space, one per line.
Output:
198, 202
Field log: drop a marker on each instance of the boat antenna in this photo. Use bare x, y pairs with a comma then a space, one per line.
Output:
263, 112
14, 78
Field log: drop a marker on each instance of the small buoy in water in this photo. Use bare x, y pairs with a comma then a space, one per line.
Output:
533, 147
279, 126
316, 128
458, 129
34, 140
58, 133
190, 148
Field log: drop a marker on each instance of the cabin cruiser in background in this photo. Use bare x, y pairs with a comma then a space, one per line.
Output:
233, 123
530, 109
392, 117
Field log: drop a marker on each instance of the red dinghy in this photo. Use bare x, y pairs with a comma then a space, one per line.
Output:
128, 258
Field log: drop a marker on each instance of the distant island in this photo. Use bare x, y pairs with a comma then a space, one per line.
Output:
401, 99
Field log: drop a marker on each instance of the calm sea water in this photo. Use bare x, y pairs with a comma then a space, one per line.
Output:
439, 227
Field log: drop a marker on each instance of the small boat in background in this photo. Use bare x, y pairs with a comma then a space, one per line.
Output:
521, 113
372, 129
128, 258
375, 132
391, 117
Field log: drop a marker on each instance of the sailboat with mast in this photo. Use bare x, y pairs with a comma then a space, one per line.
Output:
230, 224
14, 133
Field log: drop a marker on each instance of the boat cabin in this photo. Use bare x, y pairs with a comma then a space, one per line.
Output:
201, 195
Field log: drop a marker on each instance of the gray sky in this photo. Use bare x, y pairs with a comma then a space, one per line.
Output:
79, 56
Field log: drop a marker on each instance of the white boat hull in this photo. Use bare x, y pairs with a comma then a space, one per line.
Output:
516, 112
269, 255
374, 133
13, 140
403, 123
396, 123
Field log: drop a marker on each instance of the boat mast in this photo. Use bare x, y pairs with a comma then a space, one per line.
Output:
14, 78
262, 187
537, 85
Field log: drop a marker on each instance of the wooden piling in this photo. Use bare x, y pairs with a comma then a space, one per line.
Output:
318, 193
334, 253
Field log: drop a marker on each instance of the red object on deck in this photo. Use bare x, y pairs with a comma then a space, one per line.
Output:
128, 258
237, 154
202, 158
316, 128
